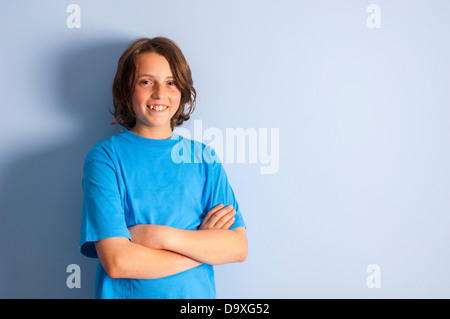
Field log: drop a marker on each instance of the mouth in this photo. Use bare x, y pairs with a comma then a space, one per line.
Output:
158, 107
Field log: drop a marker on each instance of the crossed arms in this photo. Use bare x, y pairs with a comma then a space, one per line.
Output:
158, 251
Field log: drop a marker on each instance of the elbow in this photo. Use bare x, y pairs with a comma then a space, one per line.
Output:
114, 256
242, 258
242, 244
115, 267
242, 255
112, 269
114, 273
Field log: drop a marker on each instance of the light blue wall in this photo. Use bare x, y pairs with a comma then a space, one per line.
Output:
362, 114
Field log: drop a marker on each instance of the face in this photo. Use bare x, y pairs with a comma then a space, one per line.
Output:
156, 97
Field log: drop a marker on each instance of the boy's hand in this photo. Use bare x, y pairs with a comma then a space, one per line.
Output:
219, 217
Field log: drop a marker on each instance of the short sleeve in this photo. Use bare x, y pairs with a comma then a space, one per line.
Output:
217, 188
103, 213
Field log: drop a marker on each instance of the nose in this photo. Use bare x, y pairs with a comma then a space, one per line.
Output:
158, 91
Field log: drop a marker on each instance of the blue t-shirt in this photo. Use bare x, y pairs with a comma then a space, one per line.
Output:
130, 180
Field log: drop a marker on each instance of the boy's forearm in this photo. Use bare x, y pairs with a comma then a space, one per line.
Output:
124, 259
212, 246
154, 263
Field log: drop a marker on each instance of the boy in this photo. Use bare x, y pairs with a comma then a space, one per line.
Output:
157, 225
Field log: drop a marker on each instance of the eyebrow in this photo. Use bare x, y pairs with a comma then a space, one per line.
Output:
170, 77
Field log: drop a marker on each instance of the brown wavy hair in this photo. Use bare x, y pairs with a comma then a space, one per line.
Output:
125, 80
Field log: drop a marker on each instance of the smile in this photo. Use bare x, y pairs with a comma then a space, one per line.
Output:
157, 107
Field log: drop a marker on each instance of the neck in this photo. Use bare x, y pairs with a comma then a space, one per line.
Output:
155, 133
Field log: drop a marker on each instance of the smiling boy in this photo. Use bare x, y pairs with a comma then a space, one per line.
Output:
157, 226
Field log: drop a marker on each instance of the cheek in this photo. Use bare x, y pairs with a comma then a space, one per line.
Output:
135, 100
137, 96
175, 98
173, 110
175, 101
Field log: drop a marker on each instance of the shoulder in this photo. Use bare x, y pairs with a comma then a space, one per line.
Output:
104, 150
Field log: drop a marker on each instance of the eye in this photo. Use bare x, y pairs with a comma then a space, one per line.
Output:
145, 82
172, 83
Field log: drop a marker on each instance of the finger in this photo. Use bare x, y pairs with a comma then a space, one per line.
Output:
212, 221
212, 212
229, 223
219, 222
205, 223
219, 214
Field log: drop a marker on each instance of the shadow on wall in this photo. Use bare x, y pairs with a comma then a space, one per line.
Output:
41, 193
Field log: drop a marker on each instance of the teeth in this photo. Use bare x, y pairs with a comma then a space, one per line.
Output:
158, 107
